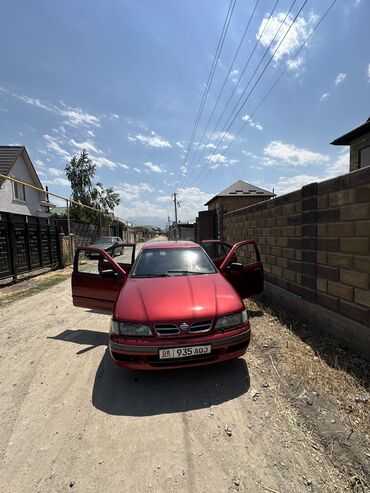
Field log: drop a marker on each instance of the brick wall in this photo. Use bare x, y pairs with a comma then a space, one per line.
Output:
315, 245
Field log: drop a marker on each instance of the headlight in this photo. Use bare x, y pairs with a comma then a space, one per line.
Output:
127, 329
231, 321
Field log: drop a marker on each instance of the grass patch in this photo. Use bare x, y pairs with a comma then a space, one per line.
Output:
15, 292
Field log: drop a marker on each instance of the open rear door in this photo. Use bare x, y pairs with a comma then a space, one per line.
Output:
98, 278
243, 268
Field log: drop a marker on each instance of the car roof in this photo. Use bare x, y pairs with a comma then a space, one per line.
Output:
169, 244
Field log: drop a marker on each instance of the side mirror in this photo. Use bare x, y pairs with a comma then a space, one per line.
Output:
235, 267
109, 274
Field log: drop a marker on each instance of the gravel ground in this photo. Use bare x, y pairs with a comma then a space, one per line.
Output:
272, 421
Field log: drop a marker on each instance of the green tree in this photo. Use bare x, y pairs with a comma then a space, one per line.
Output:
81, 172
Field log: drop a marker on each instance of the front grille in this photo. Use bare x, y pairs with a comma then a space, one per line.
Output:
166, 329
203, 326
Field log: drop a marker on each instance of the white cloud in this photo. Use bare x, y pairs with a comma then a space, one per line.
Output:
276, 152
183, 170
137, 170
87, 144
252, 123
368, 73
216, 158
228, 136
57, 181
150, 140
288, 184
75, 117
138, 207
34, 102
340, 78
55, 171
53, 145
250, 154
295, 63
39, 163
324, 96
102, 161
179, 144
132, 192
124, 166
297, 34
114, 116
207, 146
154, 167
340, 166
234, 75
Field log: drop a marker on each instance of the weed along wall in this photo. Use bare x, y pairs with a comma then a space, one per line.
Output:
315, 245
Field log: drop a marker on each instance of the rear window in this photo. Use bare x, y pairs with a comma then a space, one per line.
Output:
163, 262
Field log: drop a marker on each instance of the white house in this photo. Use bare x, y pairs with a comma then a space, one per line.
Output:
14, 197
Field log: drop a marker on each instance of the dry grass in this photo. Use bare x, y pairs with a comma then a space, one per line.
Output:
29, 286
302, 361
329, 369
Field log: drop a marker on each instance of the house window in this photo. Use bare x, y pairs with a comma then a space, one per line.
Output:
19, 191
364, 158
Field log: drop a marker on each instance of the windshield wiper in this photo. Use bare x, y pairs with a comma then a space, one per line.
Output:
185, 272
149, 275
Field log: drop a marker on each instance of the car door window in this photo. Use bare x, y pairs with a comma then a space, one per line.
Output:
124, 255
92, 262
214, 250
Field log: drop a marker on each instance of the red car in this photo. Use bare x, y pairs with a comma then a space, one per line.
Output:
173, 306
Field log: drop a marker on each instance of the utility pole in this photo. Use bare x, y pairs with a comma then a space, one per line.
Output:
176, 203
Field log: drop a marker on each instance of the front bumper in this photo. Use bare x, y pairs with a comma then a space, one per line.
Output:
144, 356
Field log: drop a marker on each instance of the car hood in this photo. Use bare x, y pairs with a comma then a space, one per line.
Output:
176, 299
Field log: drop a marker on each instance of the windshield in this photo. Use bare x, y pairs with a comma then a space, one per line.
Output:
105, 239
163, 262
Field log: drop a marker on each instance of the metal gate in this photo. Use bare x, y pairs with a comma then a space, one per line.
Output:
27, 243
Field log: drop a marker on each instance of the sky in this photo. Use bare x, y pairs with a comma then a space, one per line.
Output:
125, 80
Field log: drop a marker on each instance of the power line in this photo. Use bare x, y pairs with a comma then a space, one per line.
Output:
211, 74
268, 92
225, 81
238, 82
252, 89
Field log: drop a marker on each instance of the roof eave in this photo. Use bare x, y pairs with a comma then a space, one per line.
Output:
349, 137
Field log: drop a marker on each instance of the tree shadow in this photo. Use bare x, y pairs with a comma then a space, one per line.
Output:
121, 392
91, 338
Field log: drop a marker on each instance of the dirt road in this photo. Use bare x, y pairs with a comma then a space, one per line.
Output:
72, 421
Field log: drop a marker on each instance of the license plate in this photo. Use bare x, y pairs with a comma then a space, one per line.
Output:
184, 352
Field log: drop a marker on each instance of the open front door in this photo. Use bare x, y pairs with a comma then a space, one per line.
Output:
217, 250
98, 278
243, 268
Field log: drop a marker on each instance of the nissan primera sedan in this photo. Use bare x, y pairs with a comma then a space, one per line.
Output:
173, 306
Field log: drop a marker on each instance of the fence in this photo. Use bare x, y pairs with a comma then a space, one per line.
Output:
209, 225
315, 245
27, 243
